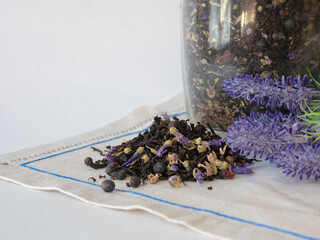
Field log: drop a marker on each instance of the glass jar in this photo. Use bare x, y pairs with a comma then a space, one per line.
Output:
226, 38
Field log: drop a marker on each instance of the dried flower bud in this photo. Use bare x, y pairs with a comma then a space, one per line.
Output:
192, 143
210, 168
223, 166
167, 143
185, 164
145, 158
152, 150
212, 158
223, 150
174, 181
117, 154
153, 178
173, 130
127, 150
172, 158
229, 159
201, 148
140, 150
198, 141
189, 148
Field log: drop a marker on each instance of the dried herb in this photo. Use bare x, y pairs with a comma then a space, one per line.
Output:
229, 38
98, 150
96, 165
176, 150
92, 178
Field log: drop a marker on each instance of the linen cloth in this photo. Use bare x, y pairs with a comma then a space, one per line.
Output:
264, 205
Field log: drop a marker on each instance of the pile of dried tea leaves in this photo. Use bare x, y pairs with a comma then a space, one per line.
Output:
175, 150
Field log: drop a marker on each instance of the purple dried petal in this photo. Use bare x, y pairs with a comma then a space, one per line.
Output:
110, 158
184, 141
242, 170
112, 150
166, 116
134, 157
174, 157
205, 17
248, 31
200, 176
192, 4
268, 59
174, 168
162, 150
216, 142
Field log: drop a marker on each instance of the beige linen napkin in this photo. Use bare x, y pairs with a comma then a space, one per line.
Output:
265, 205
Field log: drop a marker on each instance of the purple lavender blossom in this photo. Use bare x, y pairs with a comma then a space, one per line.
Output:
302, 160
264, 134
182, 139
279, 139
200, 176
289, 93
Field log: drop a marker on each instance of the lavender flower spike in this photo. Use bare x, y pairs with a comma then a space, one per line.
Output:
288, 92
264, 134
280, 140
300, 160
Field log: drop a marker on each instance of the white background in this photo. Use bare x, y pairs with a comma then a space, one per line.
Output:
70, 66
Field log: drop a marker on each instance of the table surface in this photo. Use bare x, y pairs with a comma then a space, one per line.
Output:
70, 66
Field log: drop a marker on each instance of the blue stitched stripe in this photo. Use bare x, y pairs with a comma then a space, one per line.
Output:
185, 206
158, 199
